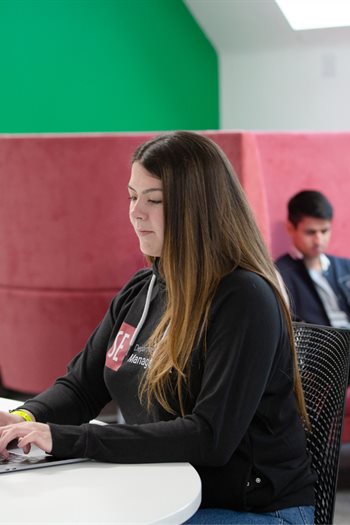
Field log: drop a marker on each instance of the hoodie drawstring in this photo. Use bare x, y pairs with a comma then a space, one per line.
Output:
145, 310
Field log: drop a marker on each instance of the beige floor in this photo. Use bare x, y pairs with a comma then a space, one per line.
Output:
342, 508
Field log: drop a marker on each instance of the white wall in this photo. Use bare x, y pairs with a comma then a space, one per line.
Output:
274, 78
289, 89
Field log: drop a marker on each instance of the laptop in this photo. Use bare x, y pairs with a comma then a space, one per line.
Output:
36, 458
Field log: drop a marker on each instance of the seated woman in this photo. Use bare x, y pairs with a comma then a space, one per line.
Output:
197, 350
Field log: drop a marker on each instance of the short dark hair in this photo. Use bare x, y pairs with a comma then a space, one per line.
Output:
309, 203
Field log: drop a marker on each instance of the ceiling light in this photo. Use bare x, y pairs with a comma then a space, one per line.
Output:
315, 14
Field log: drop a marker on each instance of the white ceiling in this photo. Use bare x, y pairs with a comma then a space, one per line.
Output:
248, 25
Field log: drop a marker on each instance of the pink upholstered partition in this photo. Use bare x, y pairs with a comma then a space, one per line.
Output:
242, 151
274, 166
66, 246
346, 426
290, 162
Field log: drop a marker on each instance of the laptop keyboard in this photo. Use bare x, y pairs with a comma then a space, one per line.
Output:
20, 458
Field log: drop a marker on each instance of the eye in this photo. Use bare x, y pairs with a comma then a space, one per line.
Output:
154, 201
132, 198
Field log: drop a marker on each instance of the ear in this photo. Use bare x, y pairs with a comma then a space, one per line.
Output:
290, 227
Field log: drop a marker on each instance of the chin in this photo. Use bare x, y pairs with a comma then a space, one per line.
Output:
149, 253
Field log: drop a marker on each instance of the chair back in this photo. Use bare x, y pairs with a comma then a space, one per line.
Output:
323, 356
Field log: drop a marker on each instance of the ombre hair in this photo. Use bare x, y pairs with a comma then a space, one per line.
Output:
209, 230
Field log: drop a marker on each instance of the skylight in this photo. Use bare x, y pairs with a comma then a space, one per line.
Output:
315, 14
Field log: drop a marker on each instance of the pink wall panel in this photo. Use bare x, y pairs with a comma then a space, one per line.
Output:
40, 332
291, 162
66, 246
242, 152
63, 207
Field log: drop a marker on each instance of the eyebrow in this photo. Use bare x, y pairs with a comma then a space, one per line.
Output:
315, 230
149, 190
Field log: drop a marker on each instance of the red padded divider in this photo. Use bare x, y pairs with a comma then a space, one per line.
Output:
66, 245
346, 424
40, 332
241, 150
291, 162
64, 212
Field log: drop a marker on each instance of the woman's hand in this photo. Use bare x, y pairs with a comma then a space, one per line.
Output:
6, 418
27, 433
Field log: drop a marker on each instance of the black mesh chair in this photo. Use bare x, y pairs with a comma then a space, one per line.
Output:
323, 355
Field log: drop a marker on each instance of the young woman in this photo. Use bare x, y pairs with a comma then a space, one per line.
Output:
197, 350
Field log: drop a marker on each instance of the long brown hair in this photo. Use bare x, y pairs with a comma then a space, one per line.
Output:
209, 230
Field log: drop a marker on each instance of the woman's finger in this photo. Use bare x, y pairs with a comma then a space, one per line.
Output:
26, 448
27, 433
40, 437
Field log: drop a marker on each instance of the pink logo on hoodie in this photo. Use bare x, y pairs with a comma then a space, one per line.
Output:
119, 348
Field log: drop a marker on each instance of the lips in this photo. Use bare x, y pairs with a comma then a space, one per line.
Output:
143, 233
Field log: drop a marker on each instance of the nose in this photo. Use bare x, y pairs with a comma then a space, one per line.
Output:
137, 210
319, 236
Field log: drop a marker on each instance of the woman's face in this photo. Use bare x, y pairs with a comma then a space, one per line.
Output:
146, 209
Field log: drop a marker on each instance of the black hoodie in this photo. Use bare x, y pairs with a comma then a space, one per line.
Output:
241, 430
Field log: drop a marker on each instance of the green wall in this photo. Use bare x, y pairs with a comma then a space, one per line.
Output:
104, 65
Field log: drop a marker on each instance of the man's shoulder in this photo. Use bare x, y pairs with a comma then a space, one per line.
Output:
340, 262
286, 261
292, 270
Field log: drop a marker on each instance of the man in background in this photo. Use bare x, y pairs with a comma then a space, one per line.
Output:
318, 284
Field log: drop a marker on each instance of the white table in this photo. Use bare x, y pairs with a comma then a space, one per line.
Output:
94, 493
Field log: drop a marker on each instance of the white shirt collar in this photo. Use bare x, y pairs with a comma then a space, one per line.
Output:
296, 254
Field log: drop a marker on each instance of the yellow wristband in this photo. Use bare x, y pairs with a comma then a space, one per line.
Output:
22, 413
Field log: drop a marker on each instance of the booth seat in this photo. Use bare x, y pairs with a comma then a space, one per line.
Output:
66, 248
66, 245
346, 425
290, 162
